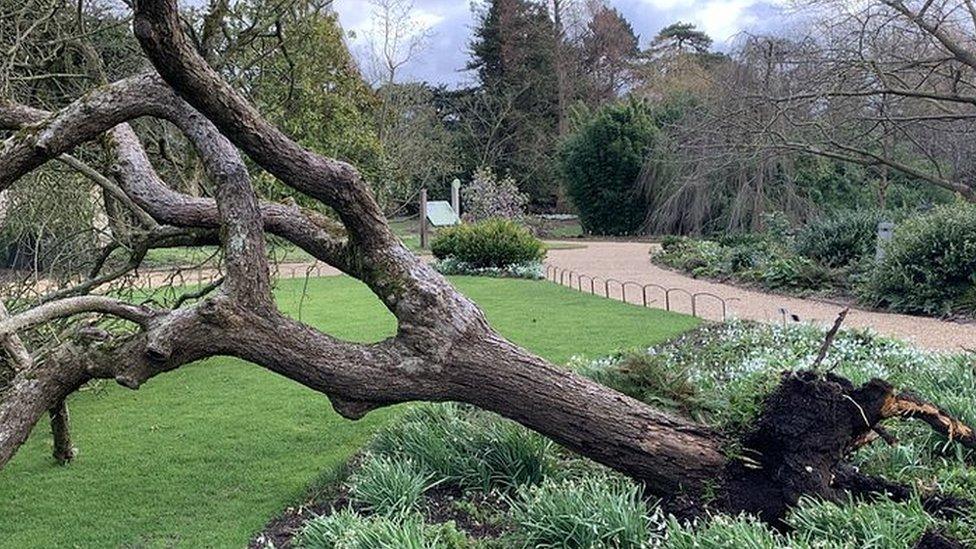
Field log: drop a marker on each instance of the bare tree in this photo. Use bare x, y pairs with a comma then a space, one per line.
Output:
887, 84
395, 39
444, 349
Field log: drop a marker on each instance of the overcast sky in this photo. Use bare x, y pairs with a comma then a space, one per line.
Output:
451, 22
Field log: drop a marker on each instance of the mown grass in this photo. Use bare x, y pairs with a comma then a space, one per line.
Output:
204, 456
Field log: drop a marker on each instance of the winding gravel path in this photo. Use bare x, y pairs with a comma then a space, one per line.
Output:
629, 261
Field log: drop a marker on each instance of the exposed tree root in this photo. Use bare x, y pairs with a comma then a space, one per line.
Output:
909, 406
808, 426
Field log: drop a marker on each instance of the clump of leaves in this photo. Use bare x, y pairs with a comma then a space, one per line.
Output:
596, 511
754, 258
649, 378
470, 448
345, 529
929, 265
841, 238
879, 524
388, 486
724, 531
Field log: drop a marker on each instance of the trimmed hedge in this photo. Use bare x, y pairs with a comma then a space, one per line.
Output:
494, 243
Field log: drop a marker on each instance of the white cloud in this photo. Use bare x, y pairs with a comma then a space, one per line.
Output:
424, 20
722, 19
669, 4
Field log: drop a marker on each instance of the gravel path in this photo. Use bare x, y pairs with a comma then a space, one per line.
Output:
629, 261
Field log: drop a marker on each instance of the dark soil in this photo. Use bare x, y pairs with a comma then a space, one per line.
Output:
282, 530
441, 504
938, 540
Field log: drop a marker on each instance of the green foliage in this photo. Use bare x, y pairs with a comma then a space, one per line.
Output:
732, 366
836, 185
387, 486
841, 238
345, 529
929, 265
316, 95
590, 512
752, 258
721, 532
720, 375
532, 270
469, 448
601, 162
492, 243
879, 524
792, 273
682, 36
644, 377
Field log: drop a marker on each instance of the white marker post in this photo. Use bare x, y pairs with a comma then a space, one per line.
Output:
456, 196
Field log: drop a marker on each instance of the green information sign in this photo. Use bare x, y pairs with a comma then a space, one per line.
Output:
441, 214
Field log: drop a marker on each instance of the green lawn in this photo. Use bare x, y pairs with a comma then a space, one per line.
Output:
204, 456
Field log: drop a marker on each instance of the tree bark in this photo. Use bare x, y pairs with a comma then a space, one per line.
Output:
64, 451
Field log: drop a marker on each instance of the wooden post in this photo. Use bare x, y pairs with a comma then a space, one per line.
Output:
423, 219
456, 196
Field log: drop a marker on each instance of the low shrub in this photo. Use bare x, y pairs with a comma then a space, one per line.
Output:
388, 486
756, 259
791, 272
929, 265
346, 529
840, 238
601, 511
494, 243
697, 257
